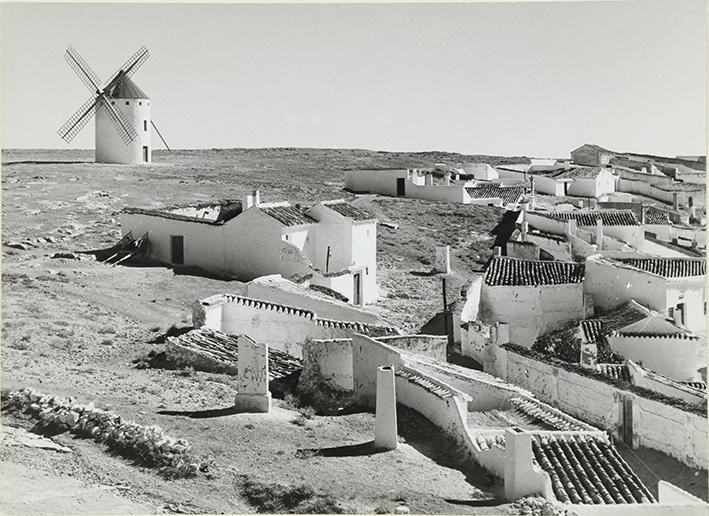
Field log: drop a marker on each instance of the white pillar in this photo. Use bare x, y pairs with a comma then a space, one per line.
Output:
518, 463
252, 387
385, 426
599, 234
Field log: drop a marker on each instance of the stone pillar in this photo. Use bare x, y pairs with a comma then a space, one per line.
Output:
385, 426
252, 387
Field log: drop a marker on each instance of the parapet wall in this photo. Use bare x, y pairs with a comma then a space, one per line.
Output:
283, 327
654, 424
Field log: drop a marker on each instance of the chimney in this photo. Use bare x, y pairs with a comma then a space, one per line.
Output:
447, 178
251, 199
385, 430
675, 201
599, 234
497, 251
642, 214
518, 464
525, 229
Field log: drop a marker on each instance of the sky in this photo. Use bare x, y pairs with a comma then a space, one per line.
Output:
536, 79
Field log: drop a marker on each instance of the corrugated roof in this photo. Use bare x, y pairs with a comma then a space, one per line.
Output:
508, 194
654, 216
589, 217
586, 470
348, 210
667, 267
287, 215
505, 271
125, 88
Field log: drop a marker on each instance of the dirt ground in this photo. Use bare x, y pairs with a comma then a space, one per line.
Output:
74, 328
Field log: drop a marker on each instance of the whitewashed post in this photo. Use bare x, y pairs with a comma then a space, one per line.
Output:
253, 394
385, 424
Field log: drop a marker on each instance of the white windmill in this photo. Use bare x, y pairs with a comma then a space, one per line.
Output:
122, 112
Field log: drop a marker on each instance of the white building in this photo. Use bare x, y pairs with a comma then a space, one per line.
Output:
671, 286
135, 105
332, 244
532, 297
410, 183
483, 171
592, 155
588, 181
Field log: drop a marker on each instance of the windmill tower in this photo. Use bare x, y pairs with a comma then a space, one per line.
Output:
122, 109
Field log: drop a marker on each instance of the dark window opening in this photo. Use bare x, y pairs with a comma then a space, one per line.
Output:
145, 125
127, 103
177, 249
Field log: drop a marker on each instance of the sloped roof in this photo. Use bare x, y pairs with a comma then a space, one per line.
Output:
579, 173
589, 217
667, 267
125, 88
624, 315
594, 147
654, 216
228, 210
287, 215
508, 194
588, 470
222, 350
505, 271
350, 211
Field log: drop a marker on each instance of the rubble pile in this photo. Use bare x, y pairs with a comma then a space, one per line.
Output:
150, 443
538, 506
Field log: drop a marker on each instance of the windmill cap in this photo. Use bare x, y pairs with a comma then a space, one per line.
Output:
126, 89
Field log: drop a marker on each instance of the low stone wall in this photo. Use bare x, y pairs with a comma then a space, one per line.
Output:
150, 443
327, 362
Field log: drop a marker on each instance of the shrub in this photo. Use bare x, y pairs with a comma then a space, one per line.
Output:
280, 498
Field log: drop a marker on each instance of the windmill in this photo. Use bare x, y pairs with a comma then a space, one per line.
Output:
122, 112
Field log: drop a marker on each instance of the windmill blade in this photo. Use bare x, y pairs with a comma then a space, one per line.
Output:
125, 129
79, 119
82, 69
160, 135
129, 67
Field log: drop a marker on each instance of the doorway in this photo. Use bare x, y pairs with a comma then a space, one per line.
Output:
627, 428
356, 291
400, 186
177, 249
145, 153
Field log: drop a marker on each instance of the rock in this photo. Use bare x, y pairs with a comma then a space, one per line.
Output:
18, 245
401, 509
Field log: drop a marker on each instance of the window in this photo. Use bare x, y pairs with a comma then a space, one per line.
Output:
366, 271
140, 103
145, 125
286, 237
113, 102
127, 103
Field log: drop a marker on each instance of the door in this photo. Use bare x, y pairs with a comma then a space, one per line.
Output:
145, 153
177, 249
400, 186
628, 421
357, 294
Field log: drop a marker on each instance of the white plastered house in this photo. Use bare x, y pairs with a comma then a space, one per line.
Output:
331, 244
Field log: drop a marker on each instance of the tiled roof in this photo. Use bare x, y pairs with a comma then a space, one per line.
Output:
579, 173
614, 371
586, 470
589, 217
594, 147
655, 216
502, 270
508, 194
696, 385
611, 321
346, 209
287, 215
667, 267
213, 346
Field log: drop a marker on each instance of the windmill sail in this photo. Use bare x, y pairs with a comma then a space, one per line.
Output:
83, 70
120, 122
79, 119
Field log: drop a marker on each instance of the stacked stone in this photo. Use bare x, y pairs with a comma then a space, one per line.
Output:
150, 443
539, 507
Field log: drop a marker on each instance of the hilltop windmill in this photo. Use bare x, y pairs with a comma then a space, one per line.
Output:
122, 112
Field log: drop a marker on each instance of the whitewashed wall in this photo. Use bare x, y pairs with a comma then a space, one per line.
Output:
676, 358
